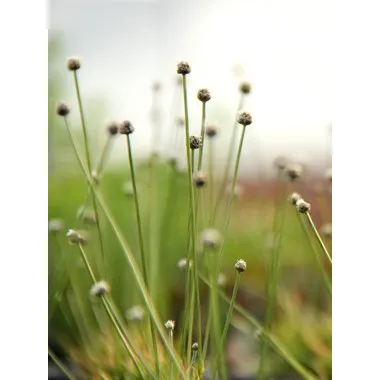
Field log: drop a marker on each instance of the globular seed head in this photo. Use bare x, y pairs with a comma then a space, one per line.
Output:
76, 237
326, 230
280, 162
302, 206
100, 288
62, 109
204, 95
88, 216
200, 179
184, 263
211, 131
244, 118
170, 325
194, 347
195, 142
210, 238
113, 128
240, 265
73, 64
183, 68
293, 171
55, 225
328, 174
135, 313
126, 127
294, 197
245, 87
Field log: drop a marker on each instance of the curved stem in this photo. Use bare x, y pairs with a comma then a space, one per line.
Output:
61, 366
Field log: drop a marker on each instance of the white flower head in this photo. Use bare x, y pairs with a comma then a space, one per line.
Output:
302, 206
240, 265
182, 264
76, 237
100, 289
55, 225
170, 324
135, 313
210, 238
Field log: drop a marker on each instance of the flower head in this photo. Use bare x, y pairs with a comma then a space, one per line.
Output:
76, 237
113, 128
294, 171
195, 142
211, 131
135, 313
63, 109
244, 118
194, 347
55, 225
245, 87
280, 162
100, 288
200, 179
294, 197
240, 266
210, 238
126, 128
204, 95
183, 68
302, 206
170, 325
184, 263
73, 64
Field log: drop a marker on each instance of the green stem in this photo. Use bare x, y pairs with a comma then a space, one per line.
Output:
211, 177
320, 241
88, 159
200, 157
130, 260
193, 225
227, 323
61, 366
141, 241
170, 359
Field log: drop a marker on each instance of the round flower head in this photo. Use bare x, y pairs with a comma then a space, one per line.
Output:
211, 131
128, 189
100, 288
76, 237
244, 118
222, 280
204, 95
73, 64
210, 238
170, 324
126, 128
302, 206
182, 264
328, 174
113, 128
245, 87
88, 216
95, 177
194, 347
183, 68
135, 313
195, 142
55, 225
241, 266
280, 162
326, 230
200, 179
62, 109
293, 171
294, 197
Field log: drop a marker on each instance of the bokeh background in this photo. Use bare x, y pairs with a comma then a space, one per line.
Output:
284, 50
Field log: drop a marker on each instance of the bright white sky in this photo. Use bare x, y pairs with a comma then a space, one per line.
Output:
285, 48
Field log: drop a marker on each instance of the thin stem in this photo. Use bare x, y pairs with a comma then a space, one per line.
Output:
141, 241
88, 159
130, 260
193, 224
200, 157
316, 254
61, 366
320, 241
229, 160
211, 177
109, 313
190, 319
288, 357
228, 321
170, 359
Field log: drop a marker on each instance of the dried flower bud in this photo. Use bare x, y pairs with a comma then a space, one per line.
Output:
195, 142
302, 206
210, 238
293, 171
200, 179
170, 325
241, 266
222, 280
73, 64
95, 177
113, 128
126, 128
135, 313
294, 197
280, 162
183, 68
100, 288
328, 174
211, 131
204, 95
62, 109
194, 347
326, 230
245, 87
182, 264
244, 118
88, 216
128, 189
76, 237
55, 225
